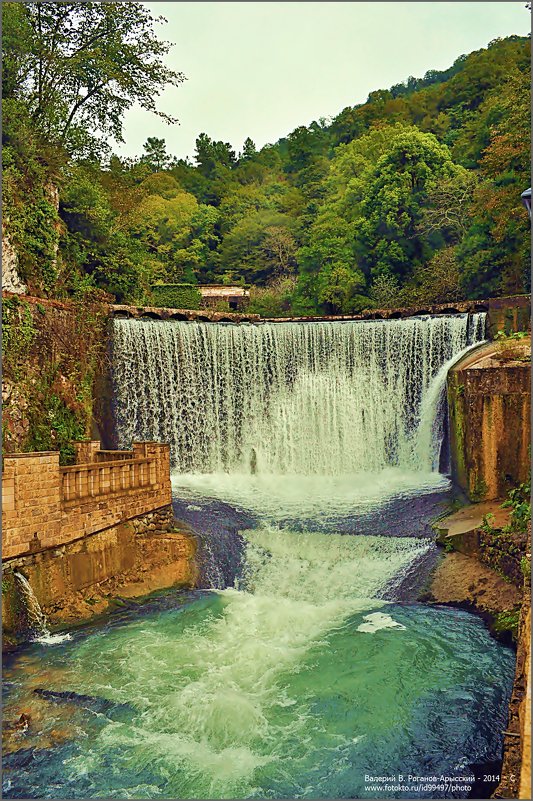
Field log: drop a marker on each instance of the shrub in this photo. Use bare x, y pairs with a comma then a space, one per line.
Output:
518, 501
274, 300
507, 622
51, 359
176, 296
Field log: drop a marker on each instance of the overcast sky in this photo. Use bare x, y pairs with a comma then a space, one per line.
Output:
261, 69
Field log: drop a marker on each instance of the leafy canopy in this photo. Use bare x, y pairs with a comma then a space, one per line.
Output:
79, 66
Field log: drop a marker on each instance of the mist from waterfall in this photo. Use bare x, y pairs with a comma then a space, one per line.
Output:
286, 399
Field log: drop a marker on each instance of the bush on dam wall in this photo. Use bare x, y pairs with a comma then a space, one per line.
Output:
176, 296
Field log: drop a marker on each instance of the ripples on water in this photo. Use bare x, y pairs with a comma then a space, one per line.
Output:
277, 688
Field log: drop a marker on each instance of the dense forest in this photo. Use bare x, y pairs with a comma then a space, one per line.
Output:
412, 196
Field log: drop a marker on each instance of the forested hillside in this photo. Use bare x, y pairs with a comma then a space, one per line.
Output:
413, 196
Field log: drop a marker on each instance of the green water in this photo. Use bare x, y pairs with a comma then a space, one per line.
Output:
295, 684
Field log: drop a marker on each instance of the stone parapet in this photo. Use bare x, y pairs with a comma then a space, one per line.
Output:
189, 315
503, 314
45, 505
508, 314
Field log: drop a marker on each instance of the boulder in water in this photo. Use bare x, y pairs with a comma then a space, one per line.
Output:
91, 702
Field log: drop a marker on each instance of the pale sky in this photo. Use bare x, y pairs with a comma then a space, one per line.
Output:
261, 69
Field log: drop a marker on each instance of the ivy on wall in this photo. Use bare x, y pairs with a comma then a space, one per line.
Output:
52, 356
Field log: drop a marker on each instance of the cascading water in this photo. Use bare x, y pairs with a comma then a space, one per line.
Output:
323, 399
310, 667
292, 421
295, 685
36, 619
37, 622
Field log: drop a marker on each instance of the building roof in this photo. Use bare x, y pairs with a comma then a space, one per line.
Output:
222, 289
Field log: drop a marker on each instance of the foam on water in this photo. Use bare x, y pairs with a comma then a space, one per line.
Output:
278, 497
210, 691
52, 639
274, 688
378, 620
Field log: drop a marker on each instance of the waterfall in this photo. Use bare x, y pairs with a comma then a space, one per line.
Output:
36, 619
309, 399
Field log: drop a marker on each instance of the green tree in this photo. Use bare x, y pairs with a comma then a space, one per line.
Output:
244, 201
494, 254
211, 154
80, 66
259, 247
438, 281
176, 232
339, 290
17, 37
94, 247
155, 154
332, 242
273, 300
385, 292
396, 193
249, 149
448, 208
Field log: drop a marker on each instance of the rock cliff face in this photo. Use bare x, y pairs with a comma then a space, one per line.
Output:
489, 399
11, 281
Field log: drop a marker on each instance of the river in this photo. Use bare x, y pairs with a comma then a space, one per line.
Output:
311, 459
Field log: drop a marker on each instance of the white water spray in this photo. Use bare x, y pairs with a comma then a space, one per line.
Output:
312, 399
214, 694
35, 615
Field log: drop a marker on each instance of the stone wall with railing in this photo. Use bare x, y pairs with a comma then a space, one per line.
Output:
46, 506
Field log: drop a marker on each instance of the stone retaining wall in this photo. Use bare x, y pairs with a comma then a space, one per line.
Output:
45, 505
489, 400
85, 578
516, 768
503, 314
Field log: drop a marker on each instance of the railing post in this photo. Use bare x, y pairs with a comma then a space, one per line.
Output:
65, 486
106, 480
146, 467
86, 451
